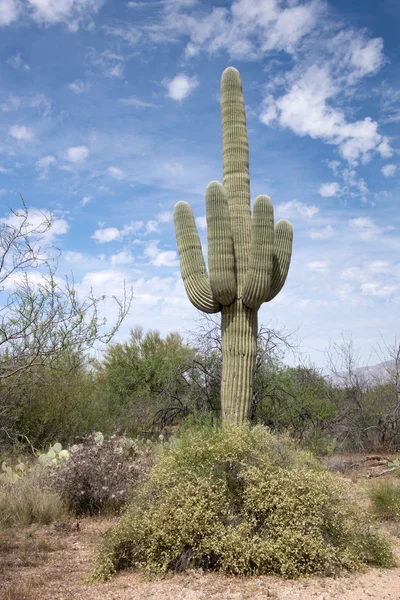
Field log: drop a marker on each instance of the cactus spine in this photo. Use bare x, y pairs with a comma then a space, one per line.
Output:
248, 260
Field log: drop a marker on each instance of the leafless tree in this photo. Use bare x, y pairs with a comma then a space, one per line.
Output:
41, 316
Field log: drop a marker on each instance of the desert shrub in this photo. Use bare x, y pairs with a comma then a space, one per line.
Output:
385, 498
241, 501
99, 473
25, 501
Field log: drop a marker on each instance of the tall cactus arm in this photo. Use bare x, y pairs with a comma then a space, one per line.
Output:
235, 154
193, 268
283, 239
259, 274
221, 258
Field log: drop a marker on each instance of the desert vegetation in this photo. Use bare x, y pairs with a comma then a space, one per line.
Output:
206, 451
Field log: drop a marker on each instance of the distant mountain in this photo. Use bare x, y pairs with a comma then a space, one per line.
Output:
366, 376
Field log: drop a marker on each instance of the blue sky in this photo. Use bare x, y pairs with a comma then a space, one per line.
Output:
109, 114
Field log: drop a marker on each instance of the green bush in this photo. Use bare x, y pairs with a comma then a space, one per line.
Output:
385, 498
240, 501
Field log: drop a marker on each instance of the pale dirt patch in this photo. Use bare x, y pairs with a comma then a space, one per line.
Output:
44, 563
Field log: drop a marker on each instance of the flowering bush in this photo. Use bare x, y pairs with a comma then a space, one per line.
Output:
99, 473
240, 501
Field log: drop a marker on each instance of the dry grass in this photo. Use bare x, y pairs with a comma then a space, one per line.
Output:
27, 501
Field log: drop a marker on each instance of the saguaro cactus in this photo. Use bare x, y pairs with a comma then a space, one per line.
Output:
248, 258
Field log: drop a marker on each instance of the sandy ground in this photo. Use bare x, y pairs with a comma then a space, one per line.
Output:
44, 563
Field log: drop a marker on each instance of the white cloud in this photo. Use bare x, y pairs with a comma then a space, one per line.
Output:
181, 86
158, 258
137, 103
305, 110
379, 267
377, 289
328, 190
201, 222
43, 165
75, 257
122, 258
166, 259
109, 234
165, 216
151, 226
2, 191
16, 61
71, 12
110, 63
131, 35
9, 11
116, 173
356, 55
21, 133
80, 87
132, 228
250, 29
367, 228
389, 170
85, 200
294, 207
77, 154
319, 266
354, 186
37, 221
352, 274
321, 234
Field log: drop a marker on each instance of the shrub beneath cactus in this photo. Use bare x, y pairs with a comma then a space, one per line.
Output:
238, 500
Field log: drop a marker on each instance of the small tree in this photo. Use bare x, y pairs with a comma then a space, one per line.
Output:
145, 380
41, 317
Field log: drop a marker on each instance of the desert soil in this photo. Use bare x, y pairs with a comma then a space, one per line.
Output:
45, 563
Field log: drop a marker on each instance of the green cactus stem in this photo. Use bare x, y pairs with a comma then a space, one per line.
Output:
248, 258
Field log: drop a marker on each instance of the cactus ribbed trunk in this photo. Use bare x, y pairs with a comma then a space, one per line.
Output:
239, 347
248, 256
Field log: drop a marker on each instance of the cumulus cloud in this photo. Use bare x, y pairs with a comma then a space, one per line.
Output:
389, 170
21, 133
109, 234
165, 216
201, 222
9, 11
43, 165
160, 258
296, 208
328, 190
122, 258
181, 86
116, 173
77, 154
305, 109
70, 12
377, 289
367, 228
37, 221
